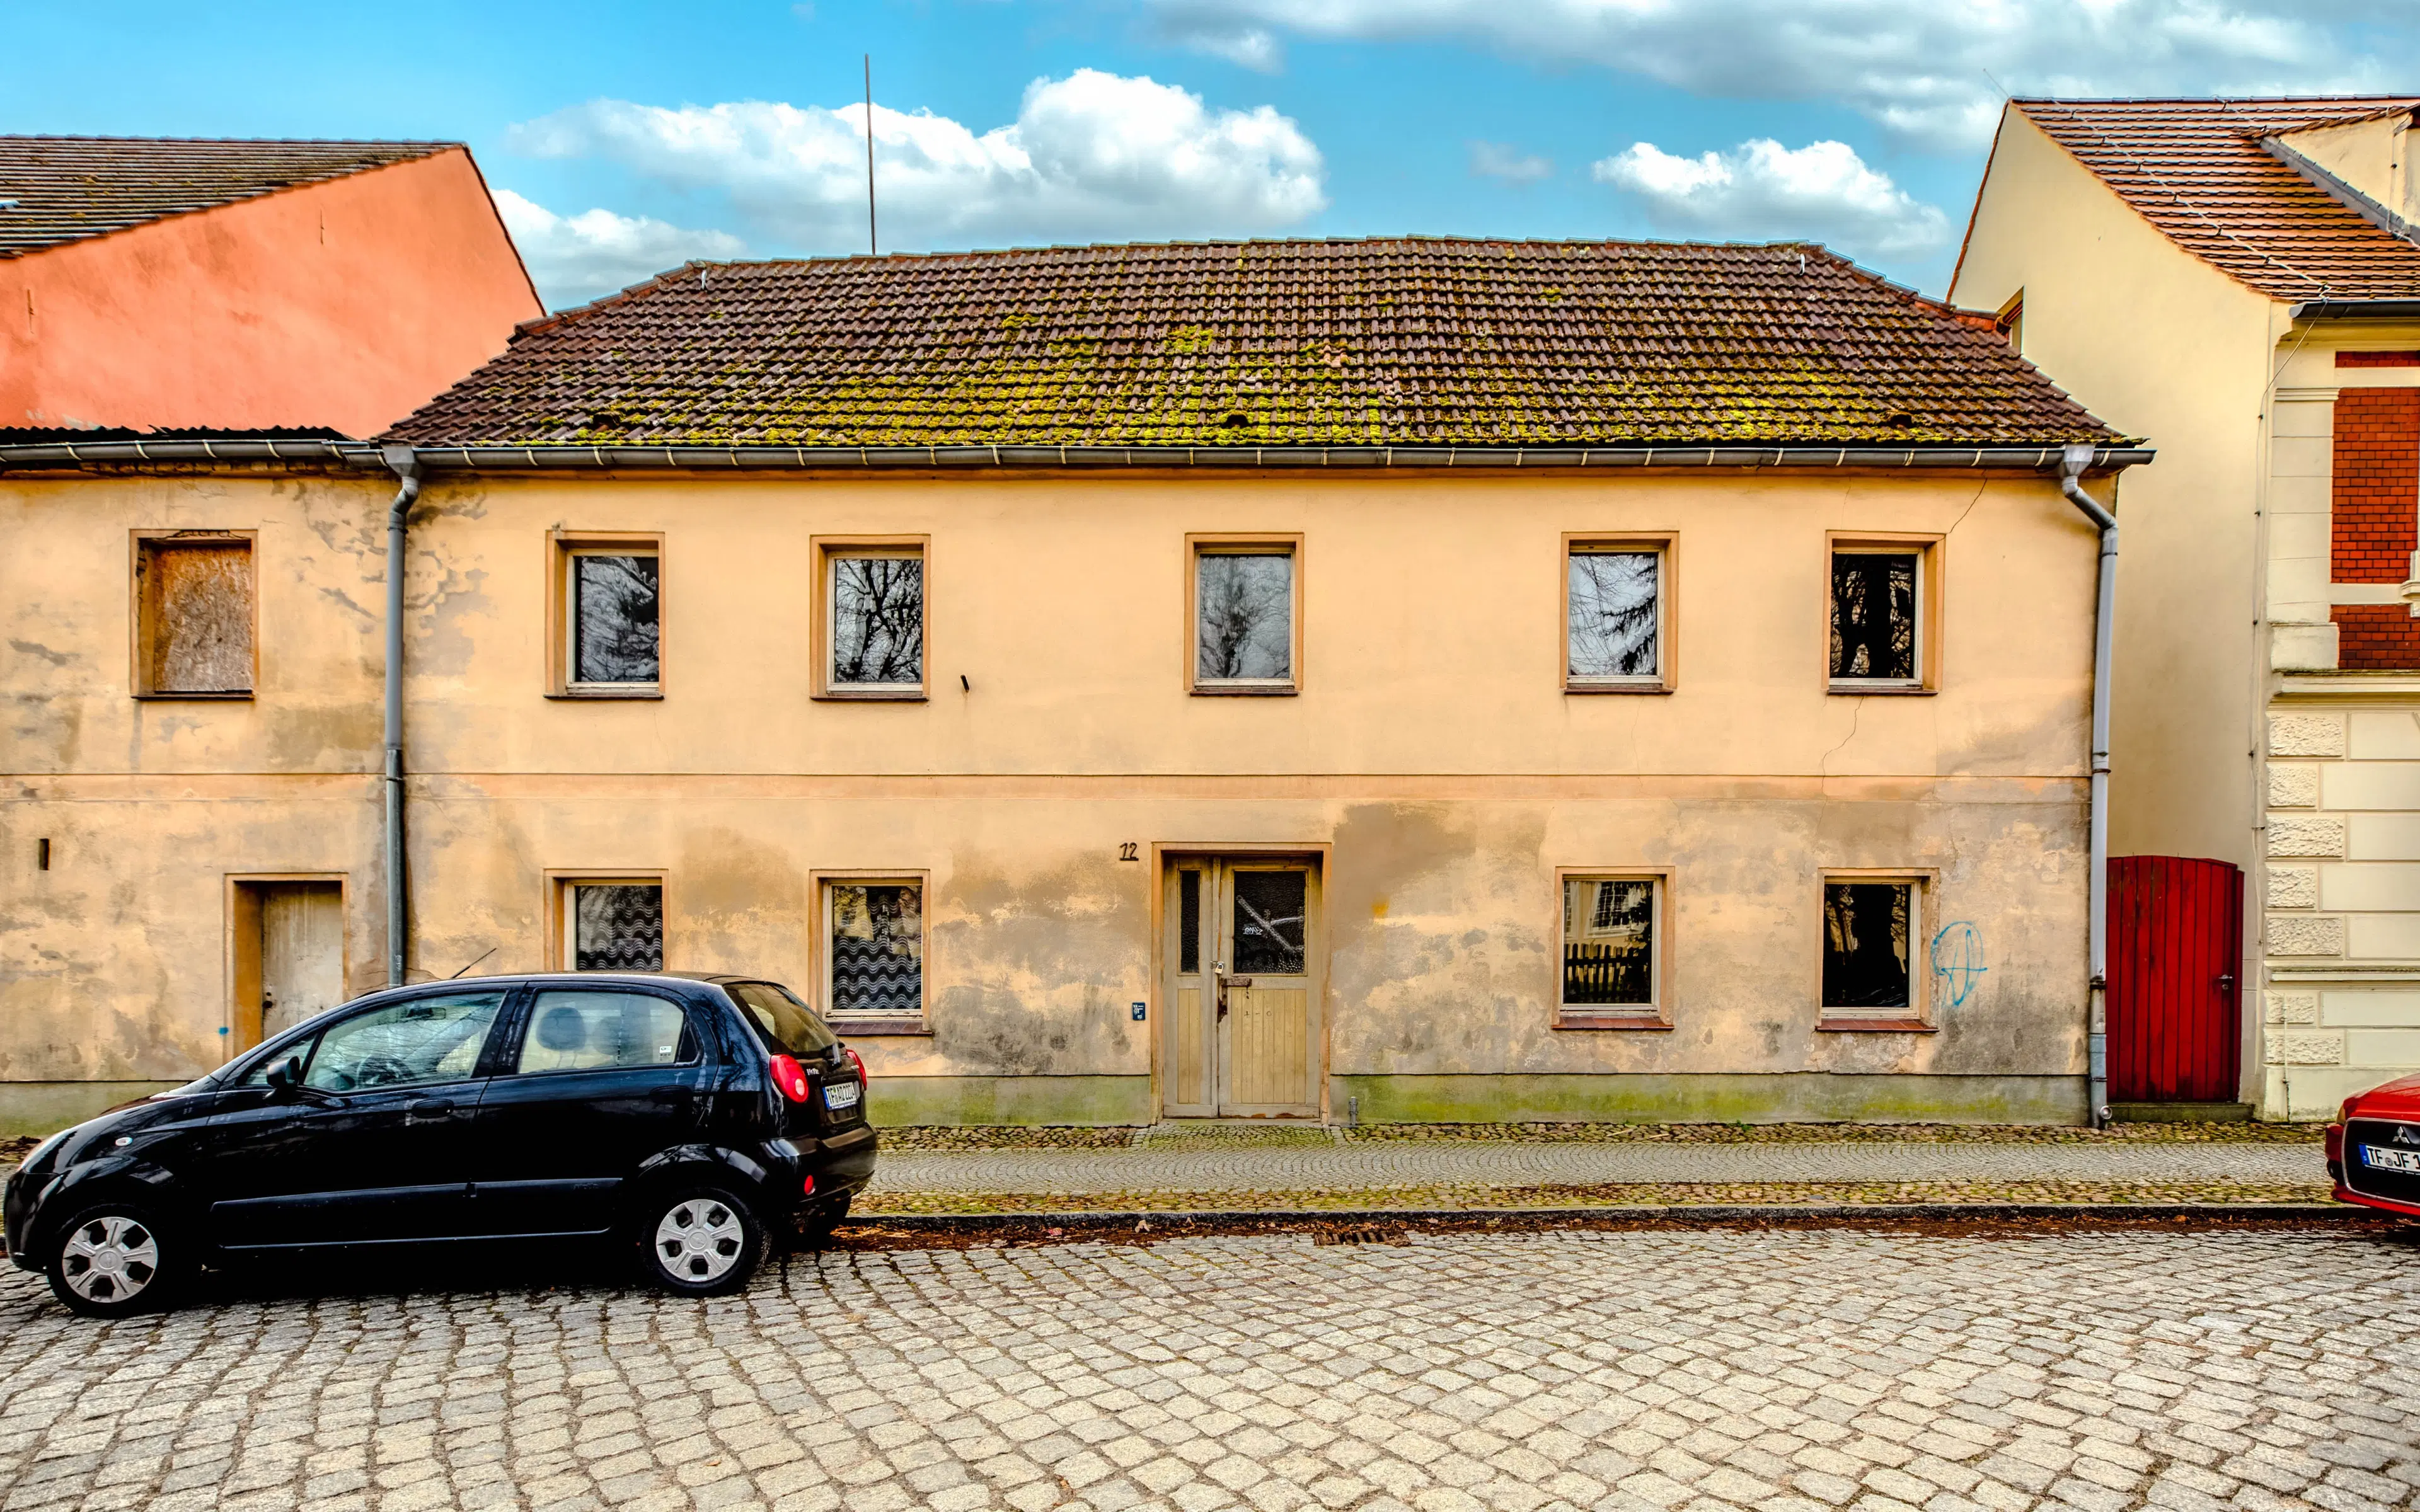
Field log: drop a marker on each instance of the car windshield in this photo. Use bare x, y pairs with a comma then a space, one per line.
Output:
786, 1026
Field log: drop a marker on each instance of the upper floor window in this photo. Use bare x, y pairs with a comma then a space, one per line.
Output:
870, 624
609, 609
1880, 616
194, 614
1247, 614
1617, 615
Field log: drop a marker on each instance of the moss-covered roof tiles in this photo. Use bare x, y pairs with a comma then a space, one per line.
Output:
1383, 341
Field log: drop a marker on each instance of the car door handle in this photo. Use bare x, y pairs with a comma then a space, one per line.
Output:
430, 1107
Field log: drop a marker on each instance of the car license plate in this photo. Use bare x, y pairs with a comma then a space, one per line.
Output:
2391, 1160
843, 1095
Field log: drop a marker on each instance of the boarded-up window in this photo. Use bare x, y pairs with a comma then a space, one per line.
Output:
1874, 632
1866, 930
1610, 943
195, 631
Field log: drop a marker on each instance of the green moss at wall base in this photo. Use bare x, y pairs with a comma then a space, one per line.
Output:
1791, 1097
893, 1101
46, 1107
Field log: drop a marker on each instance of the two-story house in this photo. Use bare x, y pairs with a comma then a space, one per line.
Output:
2239, 279
1392, 679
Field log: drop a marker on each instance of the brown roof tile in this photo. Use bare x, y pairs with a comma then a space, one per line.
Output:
1383, 342
61, 188
2195, 169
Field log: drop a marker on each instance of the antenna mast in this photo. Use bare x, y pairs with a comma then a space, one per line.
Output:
873, 244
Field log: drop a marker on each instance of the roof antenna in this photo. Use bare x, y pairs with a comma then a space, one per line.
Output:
872, 245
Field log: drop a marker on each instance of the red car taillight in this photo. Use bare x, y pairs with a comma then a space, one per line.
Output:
856, 1063
790, 1077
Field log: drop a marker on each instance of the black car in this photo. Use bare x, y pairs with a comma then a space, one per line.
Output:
688, 1117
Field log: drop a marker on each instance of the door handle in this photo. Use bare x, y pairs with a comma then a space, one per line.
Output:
2227, 981
428, 1107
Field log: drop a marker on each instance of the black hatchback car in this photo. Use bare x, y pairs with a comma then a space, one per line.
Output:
690, 1117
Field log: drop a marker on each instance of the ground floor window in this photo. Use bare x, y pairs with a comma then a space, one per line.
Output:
1612, 962
612, 924
874, 947
1870, 924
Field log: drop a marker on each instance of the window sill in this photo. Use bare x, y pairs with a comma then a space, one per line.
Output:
242, 695
1880, 689
1242, 690
870, 695
1569, 1020
1873, 1027
1617, 687
847, 1028
577, 695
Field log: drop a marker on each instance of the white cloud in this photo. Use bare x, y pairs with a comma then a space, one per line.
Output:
1823, 191
1921, 68
576, 257
1092, 156
1493, 160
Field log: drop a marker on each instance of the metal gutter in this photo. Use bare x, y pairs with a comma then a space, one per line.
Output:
854, 458
2357, 310
398, 520
2071, 483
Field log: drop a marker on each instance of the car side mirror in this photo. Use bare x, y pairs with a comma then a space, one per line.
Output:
285, 1076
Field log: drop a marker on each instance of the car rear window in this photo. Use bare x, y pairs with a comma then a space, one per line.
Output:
786, 1026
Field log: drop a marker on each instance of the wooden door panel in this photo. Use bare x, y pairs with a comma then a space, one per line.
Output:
1190, 1084
2176, 927
1270, 1030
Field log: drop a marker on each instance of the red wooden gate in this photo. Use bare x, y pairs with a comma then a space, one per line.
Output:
2176, 934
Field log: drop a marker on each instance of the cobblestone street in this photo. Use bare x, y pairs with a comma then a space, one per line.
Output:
1788, 1371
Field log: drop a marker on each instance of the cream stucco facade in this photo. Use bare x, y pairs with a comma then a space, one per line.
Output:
1431, 770
2237, 736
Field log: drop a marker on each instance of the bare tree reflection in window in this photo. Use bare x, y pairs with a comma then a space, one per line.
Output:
1246, 611
1613, 607
614, 618
1873, 615
878, 620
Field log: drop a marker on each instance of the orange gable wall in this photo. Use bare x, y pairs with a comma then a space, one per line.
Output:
345, 303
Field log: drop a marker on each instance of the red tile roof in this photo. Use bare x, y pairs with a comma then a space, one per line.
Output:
60, 188
2195, 169
1405, 341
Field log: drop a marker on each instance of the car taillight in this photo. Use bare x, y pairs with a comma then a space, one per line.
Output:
790, 1077
860, 1065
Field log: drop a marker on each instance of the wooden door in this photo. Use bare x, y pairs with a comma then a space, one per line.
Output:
302, 952
1241, 1036
2176, 931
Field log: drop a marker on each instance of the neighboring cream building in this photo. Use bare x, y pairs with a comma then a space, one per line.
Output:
2238, 278
1393, 680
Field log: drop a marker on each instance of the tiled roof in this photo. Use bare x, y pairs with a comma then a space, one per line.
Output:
1383, 341
60, 188
2195, 169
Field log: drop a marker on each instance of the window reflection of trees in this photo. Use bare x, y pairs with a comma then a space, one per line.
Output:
1873, 615
1864, 944
878, 608
1246, 609
614, 613
1608, 942
1613, 609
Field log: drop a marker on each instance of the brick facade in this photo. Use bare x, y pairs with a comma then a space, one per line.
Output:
2375, 514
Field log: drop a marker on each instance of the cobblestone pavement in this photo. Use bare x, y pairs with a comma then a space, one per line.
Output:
1649, 1371
1331, 1166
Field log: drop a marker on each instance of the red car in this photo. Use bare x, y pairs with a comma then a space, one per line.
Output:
2374, 1148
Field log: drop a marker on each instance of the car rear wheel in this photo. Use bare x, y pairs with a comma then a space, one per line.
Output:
115, 1259
701, 1241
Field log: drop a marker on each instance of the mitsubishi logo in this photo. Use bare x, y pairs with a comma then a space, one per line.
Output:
2406, 1135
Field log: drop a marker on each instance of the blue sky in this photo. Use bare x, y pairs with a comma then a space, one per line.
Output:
626, 137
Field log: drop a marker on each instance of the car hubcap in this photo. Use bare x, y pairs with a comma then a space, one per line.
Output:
109, 1259
698, 1240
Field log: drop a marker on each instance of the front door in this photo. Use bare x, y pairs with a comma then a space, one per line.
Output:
1242, 1025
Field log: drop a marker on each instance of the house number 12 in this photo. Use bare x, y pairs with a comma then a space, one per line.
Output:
1127, 852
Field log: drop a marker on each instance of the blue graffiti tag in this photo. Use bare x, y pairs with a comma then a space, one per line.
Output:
1958, 960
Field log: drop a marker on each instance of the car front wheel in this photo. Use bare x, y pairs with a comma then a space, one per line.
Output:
115, 1259
701, 1241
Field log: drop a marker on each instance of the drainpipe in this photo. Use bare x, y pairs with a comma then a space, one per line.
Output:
406, 467
2070, 473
